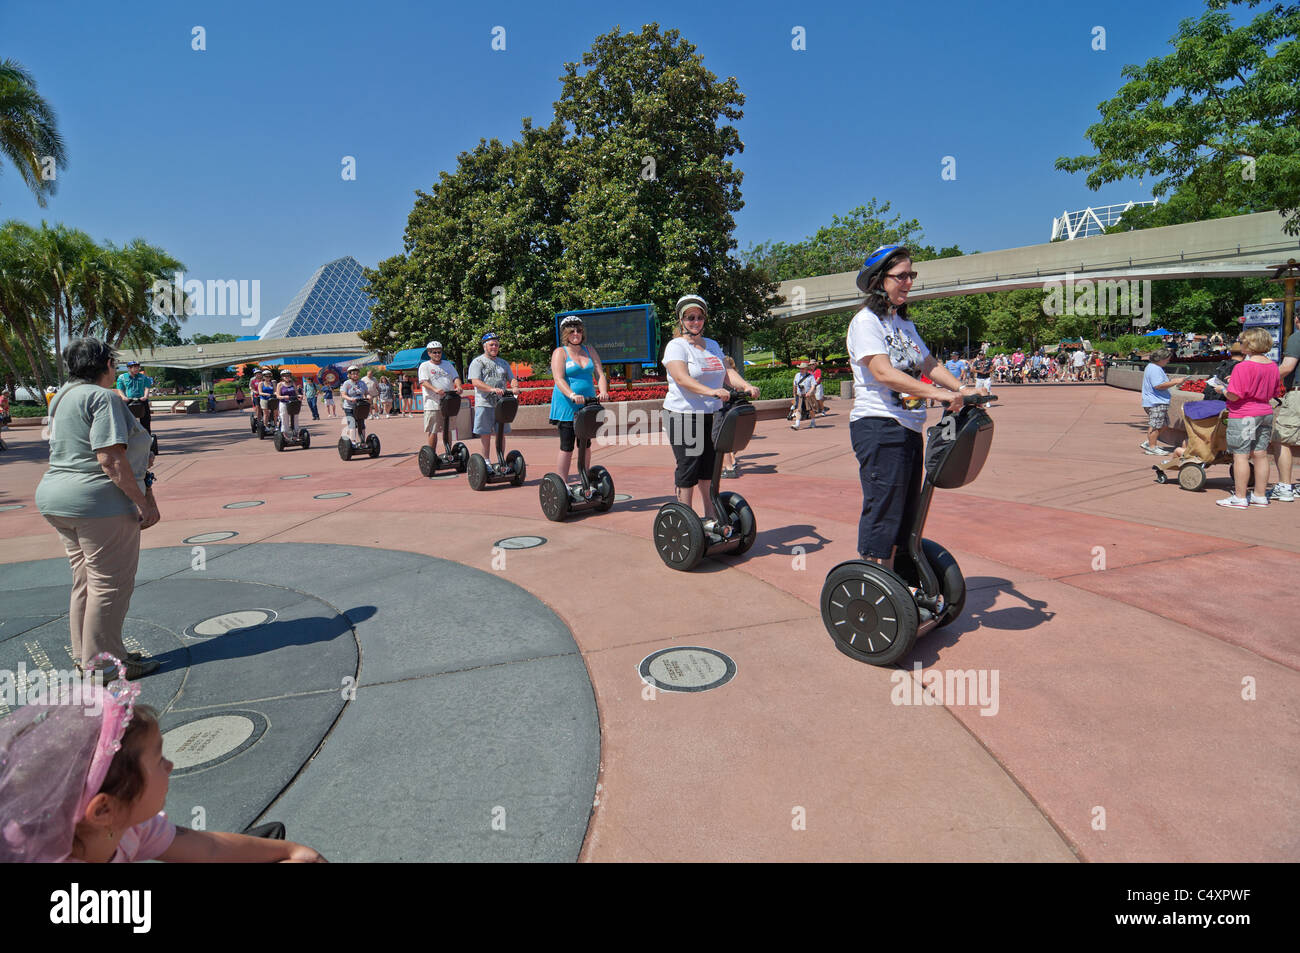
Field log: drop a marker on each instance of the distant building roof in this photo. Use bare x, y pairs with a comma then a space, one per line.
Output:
333, 300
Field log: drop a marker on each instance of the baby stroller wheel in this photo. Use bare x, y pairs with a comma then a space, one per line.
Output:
1191, 476
1160, 475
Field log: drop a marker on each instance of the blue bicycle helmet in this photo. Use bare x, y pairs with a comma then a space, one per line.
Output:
877, 263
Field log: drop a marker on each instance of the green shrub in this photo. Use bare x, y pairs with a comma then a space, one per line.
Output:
775, 386
26, 410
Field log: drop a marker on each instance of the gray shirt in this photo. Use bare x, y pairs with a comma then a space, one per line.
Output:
493, 373
86, 418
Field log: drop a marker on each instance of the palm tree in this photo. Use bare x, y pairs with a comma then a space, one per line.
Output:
25, 307
29, 133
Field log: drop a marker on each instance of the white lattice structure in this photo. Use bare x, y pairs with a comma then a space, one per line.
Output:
1091, 221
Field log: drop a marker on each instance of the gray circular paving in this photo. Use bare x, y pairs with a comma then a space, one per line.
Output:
470, 731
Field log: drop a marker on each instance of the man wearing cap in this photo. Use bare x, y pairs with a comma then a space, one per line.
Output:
804, 385
489, 374
133, 385
437, 379
352, 390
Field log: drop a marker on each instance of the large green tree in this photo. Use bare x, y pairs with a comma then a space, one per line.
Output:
627, 195
1217, 120
29, 132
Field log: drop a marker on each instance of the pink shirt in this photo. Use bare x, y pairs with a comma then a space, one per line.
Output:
143, 842
1255, 383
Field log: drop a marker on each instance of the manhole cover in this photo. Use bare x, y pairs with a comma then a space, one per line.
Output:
210, 537
330, 496
620, 497
687, 669
520, 542
229, 622
210, 740
296, 476
12, 506
243, 504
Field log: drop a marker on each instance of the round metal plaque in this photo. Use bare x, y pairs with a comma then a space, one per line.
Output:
238, 621
330, 496
620, 497
210, 537
296, 476
520, 542
243, 504
211, 739
687, 668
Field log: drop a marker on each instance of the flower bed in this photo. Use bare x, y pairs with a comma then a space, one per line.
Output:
1193, 387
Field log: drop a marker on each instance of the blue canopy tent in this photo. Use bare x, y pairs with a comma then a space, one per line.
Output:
1161, 332
408, 359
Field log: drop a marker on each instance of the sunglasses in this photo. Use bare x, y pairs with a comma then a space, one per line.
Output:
903, 276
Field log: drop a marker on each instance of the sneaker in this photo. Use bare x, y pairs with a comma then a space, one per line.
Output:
1145, 446
1254, 500
1282, 493
812, 423
1153, 451
1233, 501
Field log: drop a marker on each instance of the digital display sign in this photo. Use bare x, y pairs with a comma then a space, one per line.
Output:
628, 334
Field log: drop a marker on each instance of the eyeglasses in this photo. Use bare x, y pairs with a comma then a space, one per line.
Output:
902, 276
692, 317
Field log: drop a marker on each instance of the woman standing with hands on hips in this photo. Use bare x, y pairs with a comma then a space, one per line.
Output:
573, 367
697, 373
889, 400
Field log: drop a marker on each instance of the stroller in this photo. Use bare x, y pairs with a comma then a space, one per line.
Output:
1207, 444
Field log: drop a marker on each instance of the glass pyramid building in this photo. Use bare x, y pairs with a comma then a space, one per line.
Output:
332, 301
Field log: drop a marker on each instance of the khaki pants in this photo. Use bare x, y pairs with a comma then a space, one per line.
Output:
104, 554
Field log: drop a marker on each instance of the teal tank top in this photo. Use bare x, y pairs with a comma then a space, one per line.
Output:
579, 381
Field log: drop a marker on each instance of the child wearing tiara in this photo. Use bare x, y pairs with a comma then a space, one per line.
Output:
85, 780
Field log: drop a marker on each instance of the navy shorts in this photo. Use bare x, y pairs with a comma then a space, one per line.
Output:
889, 466
568, 437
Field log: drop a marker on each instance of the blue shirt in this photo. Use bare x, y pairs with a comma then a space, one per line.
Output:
954, 368
1153, 375
133, 386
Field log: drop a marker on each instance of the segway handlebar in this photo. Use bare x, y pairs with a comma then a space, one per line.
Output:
977, 400
737, 395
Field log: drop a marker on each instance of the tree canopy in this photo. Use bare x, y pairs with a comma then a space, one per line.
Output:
29, 132
1217, 121
628, 194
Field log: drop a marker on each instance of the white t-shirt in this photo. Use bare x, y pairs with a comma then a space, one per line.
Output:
1078, 359
441, 376
709, 367
897, 337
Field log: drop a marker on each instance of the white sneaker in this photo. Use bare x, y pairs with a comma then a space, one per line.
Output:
1254, 500
1282, 493
1234, 501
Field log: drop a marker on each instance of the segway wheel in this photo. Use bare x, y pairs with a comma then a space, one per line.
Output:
679, 537
372, 443
304, 438
279, 442
461, 453
604, 484
951, 581
477, 472
1191, 476
428, 461
554, 497
153, 445
345, 448
736, 510
869, 613
252, 424
261, 430
515, 462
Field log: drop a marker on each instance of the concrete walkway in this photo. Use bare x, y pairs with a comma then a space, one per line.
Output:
1145, 670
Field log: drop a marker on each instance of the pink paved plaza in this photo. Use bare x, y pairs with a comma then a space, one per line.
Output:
1146, 657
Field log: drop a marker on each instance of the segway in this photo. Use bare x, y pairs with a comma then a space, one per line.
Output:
680, 536
512, 467
360, 411
297, 436
139, 408
457, 457
870, 612
596, 491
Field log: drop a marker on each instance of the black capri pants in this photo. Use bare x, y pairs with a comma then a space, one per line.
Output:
568, 438
691, 436
889, 466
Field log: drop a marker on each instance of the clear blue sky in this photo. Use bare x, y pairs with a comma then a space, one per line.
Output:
230, 158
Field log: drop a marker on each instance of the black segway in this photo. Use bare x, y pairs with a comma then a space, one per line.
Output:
870, 612
680, 536
512, 467
364, 444
596, 491
140, 410
297, 436
457, 457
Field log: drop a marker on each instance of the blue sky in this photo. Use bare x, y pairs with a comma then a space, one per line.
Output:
230, 158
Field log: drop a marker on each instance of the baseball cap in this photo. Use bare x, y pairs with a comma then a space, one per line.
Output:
132, 363
433, 346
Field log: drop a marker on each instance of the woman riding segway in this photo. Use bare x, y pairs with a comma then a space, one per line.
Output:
697, 371
290, 406
575, 382
874, 608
